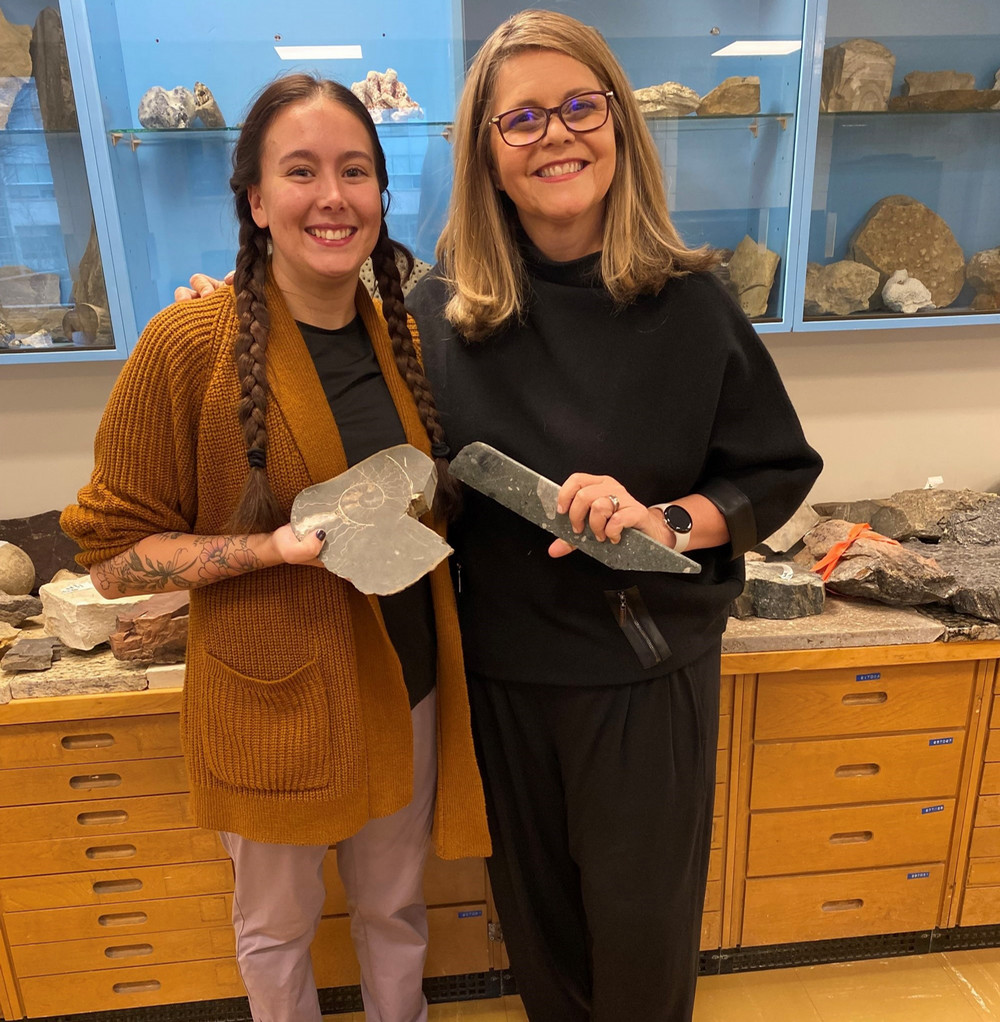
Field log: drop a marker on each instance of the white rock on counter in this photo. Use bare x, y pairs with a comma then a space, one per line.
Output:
77, 613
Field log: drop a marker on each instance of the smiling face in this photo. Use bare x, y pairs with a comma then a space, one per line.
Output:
559, 184
319, 197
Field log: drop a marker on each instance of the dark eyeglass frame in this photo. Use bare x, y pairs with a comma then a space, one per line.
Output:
557, 110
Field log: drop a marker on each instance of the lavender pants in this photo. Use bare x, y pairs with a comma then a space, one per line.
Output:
279, 897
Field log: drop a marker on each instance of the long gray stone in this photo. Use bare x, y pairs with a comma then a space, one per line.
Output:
81, 674
976, 571
779, 590
369, 513
79, 615
31, 655
15, 610
533, 497
960, 627
50, 66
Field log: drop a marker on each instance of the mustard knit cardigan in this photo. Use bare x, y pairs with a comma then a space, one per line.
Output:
295, 718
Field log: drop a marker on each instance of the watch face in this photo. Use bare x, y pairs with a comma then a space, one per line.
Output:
677, 518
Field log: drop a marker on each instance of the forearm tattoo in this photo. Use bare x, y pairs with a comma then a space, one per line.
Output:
205, 559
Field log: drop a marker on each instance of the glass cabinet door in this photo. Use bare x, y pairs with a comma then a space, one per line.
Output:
53, 295
905, 223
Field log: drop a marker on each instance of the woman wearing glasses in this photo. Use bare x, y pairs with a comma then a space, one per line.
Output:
568, 325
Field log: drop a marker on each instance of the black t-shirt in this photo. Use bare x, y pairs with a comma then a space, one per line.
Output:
367, 420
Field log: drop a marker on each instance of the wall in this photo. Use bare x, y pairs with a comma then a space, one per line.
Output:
886, 409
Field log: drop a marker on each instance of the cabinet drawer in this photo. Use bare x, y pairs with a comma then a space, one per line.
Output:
71, 855
123, 779
119, 952
101, 740
984, 872
116, 989
715, 865
114, 886
97, 818
713, 896
711, 930
980, 906
727, 685
985, 842
860, 837
988, 811
904, 697
117, 921
826, 905
990, 783
890, 767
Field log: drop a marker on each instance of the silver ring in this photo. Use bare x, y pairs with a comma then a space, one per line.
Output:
615, 504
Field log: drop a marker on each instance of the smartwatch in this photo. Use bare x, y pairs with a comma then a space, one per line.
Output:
679, 523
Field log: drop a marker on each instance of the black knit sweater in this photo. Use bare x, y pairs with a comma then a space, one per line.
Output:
671, 395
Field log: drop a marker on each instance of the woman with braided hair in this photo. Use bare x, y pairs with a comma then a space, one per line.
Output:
312, 714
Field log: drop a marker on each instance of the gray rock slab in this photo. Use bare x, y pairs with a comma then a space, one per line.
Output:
839, 288
842, 623
31, 655
17, 572
79, 615
792, 531
369, 513
533, 497
780, 590
81, 674
751, 272
15, 610
917, 82
976, 574
960, 627
857, 75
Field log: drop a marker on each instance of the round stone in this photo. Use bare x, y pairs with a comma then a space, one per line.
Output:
17, 573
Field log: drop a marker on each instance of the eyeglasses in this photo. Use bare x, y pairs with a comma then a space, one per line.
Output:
527, 124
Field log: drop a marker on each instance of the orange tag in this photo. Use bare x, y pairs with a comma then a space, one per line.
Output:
824, 567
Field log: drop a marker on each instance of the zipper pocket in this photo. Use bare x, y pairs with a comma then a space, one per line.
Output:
637, 623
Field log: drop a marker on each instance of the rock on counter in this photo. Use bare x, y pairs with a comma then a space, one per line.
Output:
78, 674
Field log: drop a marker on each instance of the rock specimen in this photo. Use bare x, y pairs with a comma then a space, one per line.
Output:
779, 591
960, 627
159, 108
983, 273
155, 632
50, 67
80, 674
79, 615
976, 574
751, 271
88, 283
951, 100
671, 99
386, 98
735, 96
903, 293
839, 288
15, 40
899, 231
17, 573
370, 513
206, 109
31, 655
39, 339
533, 497
20, 285
792, 531
857, 75
10, 87
879, 570
165, 676
40, 537
15, 610
6, 330
917, 82
8, 636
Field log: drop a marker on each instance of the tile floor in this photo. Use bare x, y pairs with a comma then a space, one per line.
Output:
959, 986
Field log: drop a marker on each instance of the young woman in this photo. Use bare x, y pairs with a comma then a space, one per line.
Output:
312, 714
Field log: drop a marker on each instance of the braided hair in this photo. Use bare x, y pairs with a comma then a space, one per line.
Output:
257, 509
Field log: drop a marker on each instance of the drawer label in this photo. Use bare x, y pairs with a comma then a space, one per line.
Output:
931, 809
922, 875
941, 741
470, 914
873, 676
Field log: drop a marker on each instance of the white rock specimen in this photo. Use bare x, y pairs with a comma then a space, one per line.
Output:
857, 75
17, 573
159, 108
671, 99
917, 82
386, 98
839, 288
79, 615
39, 339
903, 293
983, 273
751, 271
206, 108
736, 96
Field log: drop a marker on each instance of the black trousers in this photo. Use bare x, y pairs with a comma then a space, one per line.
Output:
600, 809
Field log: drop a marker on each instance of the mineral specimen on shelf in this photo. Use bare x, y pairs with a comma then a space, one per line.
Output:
976, 574
879, 569
29, 319
6, 330
86, 325
751, 271
153, 633
671, 99
206, 108
51, 70
917, 82
20, 285
159, 108
857, 75
386, 98
31, 655
79, 615
780, 591
903, 293
17, 572
952, 100
735, 96
15, 610
839, 288
983, 273
15, 60
39, 339
9, 89
792, 531
900, 231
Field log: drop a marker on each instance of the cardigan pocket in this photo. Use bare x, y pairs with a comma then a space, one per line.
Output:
637, 624
267, 736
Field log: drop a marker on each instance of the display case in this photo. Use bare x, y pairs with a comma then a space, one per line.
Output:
54, 302
904, 226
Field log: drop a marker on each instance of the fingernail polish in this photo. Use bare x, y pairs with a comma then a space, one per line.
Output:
320, 534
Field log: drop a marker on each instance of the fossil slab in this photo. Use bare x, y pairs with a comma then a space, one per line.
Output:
839, 288
533, 497
735, 96
80, 674
369, 513
751, 272
951, 100
857, 75
917, 82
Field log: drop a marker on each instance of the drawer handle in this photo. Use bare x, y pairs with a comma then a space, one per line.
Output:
84, 782
123, 919
857, 837
117, 886
141, 986
865, 698
128, 951
857, 770
111, 852
104, 816
74, 742
847, 905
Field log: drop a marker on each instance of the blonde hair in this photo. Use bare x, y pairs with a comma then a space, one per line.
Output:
478, 248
